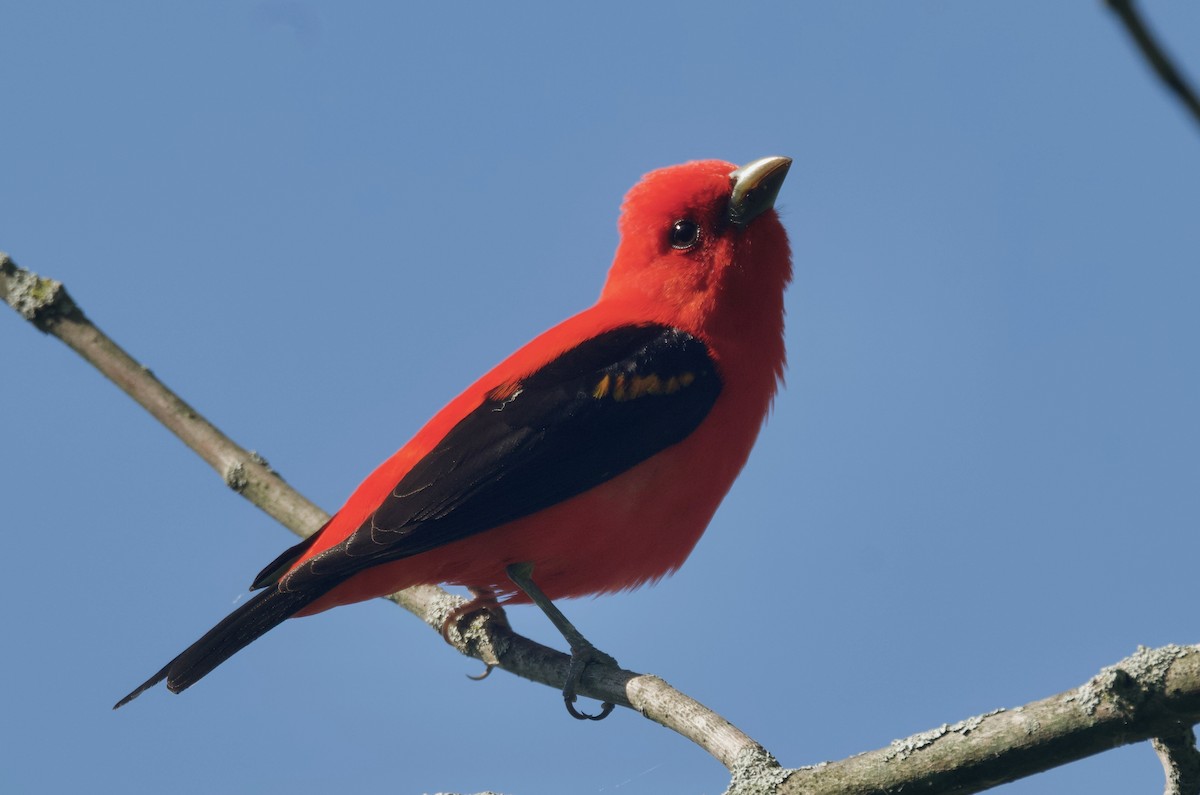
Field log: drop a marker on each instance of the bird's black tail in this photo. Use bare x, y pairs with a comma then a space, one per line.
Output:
262, 613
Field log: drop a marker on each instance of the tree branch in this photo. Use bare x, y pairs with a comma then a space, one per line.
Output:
1154, 694
1155, 55
1181, 762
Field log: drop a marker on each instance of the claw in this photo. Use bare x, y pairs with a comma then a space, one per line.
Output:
580, 658
606, 709
486, 672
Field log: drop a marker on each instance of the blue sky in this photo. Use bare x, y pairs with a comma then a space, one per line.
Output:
319, 221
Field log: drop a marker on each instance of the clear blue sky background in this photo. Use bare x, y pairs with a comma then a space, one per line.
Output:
319, 221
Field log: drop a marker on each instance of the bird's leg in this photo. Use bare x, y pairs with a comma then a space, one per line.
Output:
483, 600
582, 651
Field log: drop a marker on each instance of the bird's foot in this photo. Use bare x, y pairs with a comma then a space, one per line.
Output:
582, 651
484, 601
581, 657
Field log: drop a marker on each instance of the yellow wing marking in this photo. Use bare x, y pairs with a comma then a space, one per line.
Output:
623, 388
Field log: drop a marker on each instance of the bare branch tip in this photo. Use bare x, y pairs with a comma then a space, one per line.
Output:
39, 300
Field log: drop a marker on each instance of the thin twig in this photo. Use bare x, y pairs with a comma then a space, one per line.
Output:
1156, 55
46, 304
1180, 760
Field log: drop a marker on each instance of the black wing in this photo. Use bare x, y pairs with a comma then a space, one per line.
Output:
590, 414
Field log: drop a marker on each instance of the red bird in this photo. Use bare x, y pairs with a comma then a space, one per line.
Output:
594, 456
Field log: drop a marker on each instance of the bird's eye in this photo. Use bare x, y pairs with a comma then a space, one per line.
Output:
684, 234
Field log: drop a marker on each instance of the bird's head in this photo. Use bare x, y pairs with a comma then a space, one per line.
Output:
702, 241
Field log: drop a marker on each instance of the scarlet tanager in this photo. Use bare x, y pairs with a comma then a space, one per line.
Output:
589, 461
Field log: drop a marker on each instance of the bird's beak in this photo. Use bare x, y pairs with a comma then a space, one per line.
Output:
755, 186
